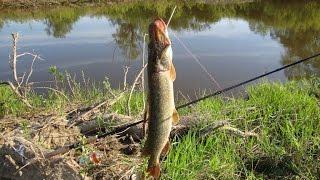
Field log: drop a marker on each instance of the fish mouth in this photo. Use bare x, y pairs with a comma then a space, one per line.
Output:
158, 32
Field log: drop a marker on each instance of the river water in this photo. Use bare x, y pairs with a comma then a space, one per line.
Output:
233, 42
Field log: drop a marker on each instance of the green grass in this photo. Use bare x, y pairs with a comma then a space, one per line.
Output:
9, 103
59, 101
287, 119
285, 116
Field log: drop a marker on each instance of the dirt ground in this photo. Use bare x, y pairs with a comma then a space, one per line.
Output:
24, 144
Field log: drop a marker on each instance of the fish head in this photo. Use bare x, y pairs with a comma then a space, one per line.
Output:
159, 32
160, 45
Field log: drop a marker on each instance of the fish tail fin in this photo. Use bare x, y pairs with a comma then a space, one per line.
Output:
154, 171
175, 117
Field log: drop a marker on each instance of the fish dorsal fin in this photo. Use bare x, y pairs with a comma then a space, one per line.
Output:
175, 117
172, 72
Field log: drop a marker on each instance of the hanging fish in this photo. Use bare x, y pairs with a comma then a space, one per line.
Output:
161, 112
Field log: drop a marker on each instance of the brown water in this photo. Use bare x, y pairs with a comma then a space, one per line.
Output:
233, 42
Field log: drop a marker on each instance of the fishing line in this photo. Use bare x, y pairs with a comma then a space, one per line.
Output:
174, 9
247, 81
198, 61
193, 56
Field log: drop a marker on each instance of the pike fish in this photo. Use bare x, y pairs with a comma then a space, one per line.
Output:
160, 109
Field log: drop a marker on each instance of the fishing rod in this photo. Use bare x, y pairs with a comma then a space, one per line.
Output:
247, 81
125, 127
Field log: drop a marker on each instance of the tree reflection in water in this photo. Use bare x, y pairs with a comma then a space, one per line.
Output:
128, 39
293, 23
59, 23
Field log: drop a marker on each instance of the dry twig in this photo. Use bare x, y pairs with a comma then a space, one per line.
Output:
125, 69
239, 132
20, 86
133, 86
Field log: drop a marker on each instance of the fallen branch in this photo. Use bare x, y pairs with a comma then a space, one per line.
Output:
212, 127
12, 161
126, 129
92, 126
81, 118
239, 132
119, 129
89, 140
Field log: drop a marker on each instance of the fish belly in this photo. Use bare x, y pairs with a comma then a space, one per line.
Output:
161, 104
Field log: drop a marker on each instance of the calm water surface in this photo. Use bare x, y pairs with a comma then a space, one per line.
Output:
233, 42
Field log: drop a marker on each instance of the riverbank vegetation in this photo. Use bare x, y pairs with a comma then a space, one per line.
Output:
282, 121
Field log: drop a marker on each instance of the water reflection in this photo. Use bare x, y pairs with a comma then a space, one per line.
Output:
128, 39
285, 31
296, 26
301, 47
59, 23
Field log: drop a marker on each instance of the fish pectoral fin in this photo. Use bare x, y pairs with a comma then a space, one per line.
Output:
175, 117
172, 72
